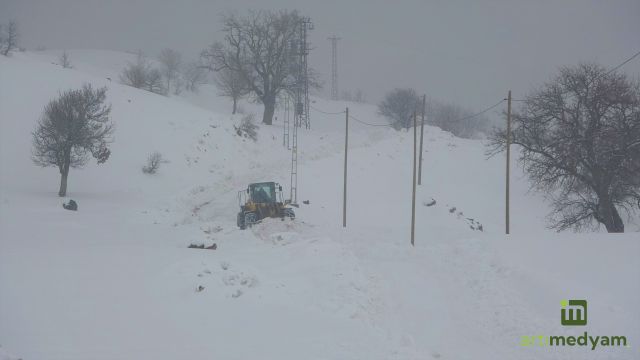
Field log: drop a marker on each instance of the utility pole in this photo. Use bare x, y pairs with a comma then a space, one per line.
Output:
413, 200
424, 108
508, 162
346, 148
334, 67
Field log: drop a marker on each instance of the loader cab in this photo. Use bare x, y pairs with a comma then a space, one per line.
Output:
263, 192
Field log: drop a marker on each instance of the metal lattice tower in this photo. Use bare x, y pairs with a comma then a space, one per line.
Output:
299, 51
293, 196
286, 124
334, 67
303, 76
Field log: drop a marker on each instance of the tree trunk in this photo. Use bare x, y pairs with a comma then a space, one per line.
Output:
610, 217
235, 105
64, 173
269, 109
63, 181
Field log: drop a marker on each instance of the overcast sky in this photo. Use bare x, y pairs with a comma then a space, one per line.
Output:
468, 52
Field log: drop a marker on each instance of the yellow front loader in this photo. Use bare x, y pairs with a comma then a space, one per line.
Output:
262, 200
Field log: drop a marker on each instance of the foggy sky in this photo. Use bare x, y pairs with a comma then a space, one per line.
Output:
468, 52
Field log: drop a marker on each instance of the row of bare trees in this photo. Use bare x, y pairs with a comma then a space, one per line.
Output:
140, 74
170, 76
458, 120
256, 58
399, 105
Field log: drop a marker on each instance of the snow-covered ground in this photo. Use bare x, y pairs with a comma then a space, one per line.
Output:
116, 280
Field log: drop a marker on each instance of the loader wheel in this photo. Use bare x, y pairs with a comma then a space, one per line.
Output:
240, 221
288, 213
249, 219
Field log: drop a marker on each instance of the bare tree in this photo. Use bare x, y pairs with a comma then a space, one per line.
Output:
154, 161
247, 127
579, 137
398, 106
456, 119
346, 95
171, 61
135, 74
74, 124
153, 82
142, 75
9, 39
231, 84
194, 75
355, 96
64, 60
258, 46
359, 96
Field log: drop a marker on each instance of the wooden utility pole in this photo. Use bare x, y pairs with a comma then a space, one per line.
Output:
346, 148
508, 163
424, 108
413, 200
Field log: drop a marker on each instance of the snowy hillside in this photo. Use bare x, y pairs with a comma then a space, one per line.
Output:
115, 280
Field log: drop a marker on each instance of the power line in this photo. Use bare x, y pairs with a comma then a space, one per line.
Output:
481, 112
485, 110
326, 112
602, 75
390, 125
350, 116
622, 64
612, 70
368, 124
